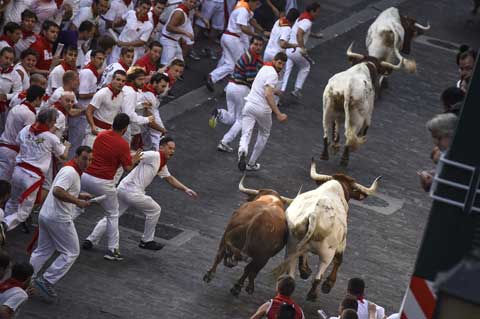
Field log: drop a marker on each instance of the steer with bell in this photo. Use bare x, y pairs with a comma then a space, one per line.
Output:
317, 223
256, 232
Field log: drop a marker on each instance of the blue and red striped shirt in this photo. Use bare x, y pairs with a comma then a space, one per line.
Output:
246, 68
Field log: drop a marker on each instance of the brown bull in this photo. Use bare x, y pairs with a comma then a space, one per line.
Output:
256, 232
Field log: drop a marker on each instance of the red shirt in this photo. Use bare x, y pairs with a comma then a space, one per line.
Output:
276, 303
44, 50
146, 62
110, 151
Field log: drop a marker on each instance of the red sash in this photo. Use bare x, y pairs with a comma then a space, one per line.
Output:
15, 148
35, 185
101, 124
10, 283
231, 33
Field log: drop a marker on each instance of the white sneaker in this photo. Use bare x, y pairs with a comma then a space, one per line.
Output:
254, 167
224, 147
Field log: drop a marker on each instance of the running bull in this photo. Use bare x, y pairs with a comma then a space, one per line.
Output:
317, 223
349, 97
261, 220
392, 33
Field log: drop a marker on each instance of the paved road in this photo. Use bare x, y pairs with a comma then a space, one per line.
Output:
382, 242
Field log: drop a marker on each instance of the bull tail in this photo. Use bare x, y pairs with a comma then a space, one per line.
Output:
352, 139
409, 65
300, 249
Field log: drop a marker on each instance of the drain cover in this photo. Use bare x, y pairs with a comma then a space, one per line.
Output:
137, 223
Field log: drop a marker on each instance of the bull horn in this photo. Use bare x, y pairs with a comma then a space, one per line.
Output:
248, 191
353, 55
368, 191
392, 66
421, 27
287, 200
318, 177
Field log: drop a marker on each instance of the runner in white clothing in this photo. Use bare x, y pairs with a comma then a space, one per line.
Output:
280, 35
56, 228
37, 145
18, 117
5, 192
301, 31
258, 109
55, 78
28, 59
124, 63
366, 309
131, 193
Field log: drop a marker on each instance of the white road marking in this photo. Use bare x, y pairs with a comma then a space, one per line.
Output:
437, 43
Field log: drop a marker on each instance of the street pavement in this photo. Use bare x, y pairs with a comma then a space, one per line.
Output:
384, 232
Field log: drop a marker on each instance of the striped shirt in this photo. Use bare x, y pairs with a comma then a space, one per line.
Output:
246, 68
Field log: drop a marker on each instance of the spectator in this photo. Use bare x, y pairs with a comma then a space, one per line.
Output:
452, 99
13, 291
349, 302
10, 82
356, 287
12, 32
43, 46
28, 59
150, 61
29, 19
271, 309
466, 62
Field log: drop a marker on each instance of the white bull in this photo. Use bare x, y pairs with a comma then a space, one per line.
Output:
317, 223
392, 33
349, 98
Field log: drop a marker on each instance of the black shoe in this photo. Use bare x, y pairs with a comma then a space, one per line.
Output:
242, 161
210, 84
25, 228
87, 244
150, 245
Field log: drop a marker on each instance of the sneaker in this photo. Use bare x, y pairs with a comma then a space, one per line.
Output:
242, 161
254, 167
113, 255
45, 287
87, 244
224, 147
150, 245
194, 56
212, 121
210, 84
297, 93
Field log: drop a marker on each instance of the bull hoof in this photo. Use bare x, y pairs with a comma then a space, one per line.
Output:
236, 290
208, 277
249, 289
327, 286
305, 273
230, 263
312, 295
324, 157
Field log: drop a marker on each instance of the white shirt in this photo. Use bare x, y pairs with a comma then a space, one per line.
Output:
305, 25
88, 85
13, 11
37, 150
144, 173
129, 105
84, 14
239, 17
53, 208
135, 30
362, 310
183, 26
18, 117
13, 298
116, 11
4, 44
23, 44
278, 33
26, 76
55, 79
60, 124
105, 108
56, 95
10, 83
267, 76
107, 75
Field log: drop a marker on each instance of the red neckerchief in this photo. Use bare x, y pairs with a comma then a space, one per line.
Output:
127, 2
171, 78
132, 86
184, 8
163, 160
243, 4
60, 107
38, 128
59, 3
30, 107
156, 19
283, 22
255, 56
149, 88
45, 97
8, 40
361, 298
10, 283
7, 70
267, 64
123, 64
68, 67
93, 68
73, 164
305, 15
27, 34
22, 95
114, 92
142, 19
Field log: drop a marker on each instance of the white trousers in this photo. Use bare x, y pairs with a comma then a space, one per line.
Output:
76, 132
236, 94
98, 186
233, 49
7, 163
251, 115
298, 60
15, 211
55, 236
171, 50
138, 200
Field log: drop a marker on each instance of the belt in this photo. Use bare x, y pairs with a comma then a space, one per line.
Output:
169, 37
101, 124
231, 33
15, 148
35, 185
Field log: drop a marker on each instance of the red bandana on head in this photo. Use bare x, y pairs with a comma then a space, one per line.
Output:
38, 128
114, 92
73, 164
60, 107
10, 283
184, 8
305, 15
30, 107
93, 68
8, 40
284, 22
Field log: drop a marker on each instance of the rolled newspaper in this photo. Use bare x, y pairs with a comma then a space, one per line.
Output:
59, 49
98, 199
113, 34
